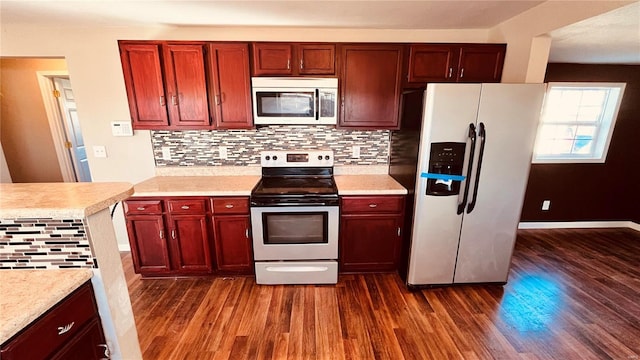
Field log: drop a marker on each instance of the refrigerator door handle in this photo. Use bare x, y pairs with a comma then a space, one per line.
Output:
472, 137
482, 134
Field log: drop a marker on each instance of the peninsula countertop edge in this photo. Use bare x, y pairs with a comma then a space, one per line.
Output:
57, 200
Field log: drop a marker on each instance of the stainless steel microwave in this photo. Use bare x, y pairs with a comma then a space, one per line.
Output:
295, 101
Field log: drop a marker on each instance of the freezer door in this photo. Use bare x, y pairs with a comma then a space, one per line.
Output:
448, 111
510, 114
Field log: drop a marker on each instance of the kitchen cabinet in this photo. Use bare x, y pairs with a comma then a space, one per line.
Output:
231, 224
166, 85
370, 86
190, 85
230, 83
169, 237
293, 59
370, 233
455, 63
69, 330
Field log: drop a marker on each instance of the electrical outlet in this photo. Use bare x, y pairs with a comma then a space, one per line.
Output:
166, 153
355, 152
99, 151
222, 152
546, 204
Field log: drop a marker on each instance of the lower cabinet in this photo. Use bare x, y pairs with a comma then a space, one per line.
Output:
69, 330
189, 235
370, 233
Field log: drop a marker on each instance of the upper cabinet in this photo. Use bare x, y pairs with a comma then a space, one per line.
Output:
370, 86
230, 85
455, 63
181, 86
186, 86
291, 59
145, 86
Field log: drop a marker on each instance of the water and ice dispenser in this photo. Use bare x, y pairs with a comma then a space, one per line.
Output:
446, 161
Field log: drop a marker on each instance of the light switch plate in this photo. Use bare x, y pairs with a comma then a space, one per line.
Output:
222, 151
355, 152
166, 153
99, 151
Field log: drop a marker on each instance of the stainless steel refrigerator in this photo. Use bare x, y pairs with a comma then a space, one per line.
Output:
474, 144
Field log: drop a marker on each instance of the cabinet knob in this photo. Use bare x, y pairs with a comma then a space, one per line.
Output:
229, 206
162, 103
246, 233
161, 234
184, 207
450, 72
373, 205
174, 100
461, 73
141, 208
173, 234
288, 64
398, 230
217, 98
65, 329
301, 64
107, 353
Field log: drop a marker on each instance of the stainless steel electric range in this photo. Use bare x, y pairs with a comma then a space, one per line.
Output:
294, 217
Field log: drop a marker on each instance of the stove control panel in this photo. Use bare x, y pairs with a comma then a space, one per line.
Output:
319, 158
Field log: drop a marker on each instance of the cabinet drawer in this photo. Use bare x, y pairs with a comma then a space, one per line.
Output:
132, 207
372, 204
231, 205
187, 206
58, 326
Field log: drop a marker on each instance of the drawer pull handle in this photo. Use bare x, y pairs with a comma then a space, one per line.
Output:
229, 206
141, 208
373, 205
66, 328
161, 234
184, 207
107, 353
246, 233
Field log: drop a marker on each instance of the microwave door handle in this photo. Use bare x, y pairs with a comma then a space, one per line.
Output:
317, 104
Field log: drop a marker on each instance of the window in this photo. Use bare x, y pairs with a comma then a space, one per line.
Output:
577, 122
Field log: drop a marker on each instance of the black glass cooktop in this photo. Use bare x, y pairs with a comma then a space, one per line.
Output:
295, 186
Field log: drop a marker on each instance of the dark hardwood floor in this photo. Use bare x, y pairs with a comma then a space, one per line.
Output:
572, 294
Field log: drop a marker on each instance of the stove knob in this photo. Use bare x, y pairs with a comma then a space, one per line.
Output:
267, 157
275, 157
319, 157
326, 157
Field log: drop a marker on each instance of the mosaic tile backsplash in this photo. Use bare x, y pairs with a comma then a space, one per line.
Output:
201, 148
44, 243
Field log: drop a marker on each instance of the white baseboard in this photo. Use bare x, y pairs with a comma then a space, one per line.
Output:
579, 224
124, 247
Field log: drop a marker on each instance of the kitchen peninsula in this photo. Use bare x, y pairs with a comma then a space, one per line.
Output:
49, 226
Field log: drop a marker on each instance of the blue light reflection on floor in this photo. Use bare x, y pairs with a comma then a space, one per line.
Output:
532, 303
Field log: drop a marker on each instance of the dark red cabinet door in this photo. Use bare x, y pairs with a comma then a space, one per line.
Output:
433, 63
369, 242
371, 86
481, 63
272, 59
186, 86
144, 84
148, 244
316, 59
190, 244
233, 244
231, 85
89, 344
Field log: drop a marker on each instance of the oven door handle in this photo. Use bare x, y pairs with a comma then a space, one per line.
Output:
295, 204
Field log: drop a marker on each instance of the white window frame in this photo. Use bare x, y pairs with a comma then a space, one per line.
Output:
602, 138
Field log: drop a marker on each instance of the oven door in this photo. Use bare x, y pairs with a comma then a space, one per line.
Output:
295, 232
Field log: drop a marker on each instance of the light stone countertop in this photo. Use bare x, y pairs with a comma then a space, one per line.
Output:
27, 294
75, 200
240, 185
368, 185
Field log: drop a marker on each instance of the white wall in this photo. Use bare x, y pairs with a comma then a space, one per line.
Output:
96, 74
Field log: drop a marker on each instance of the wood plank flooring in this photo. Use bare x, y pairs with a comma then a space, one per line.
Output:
572, 294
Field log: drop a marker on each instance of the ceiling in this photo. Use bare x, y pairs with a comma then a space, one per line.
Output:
609, 38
